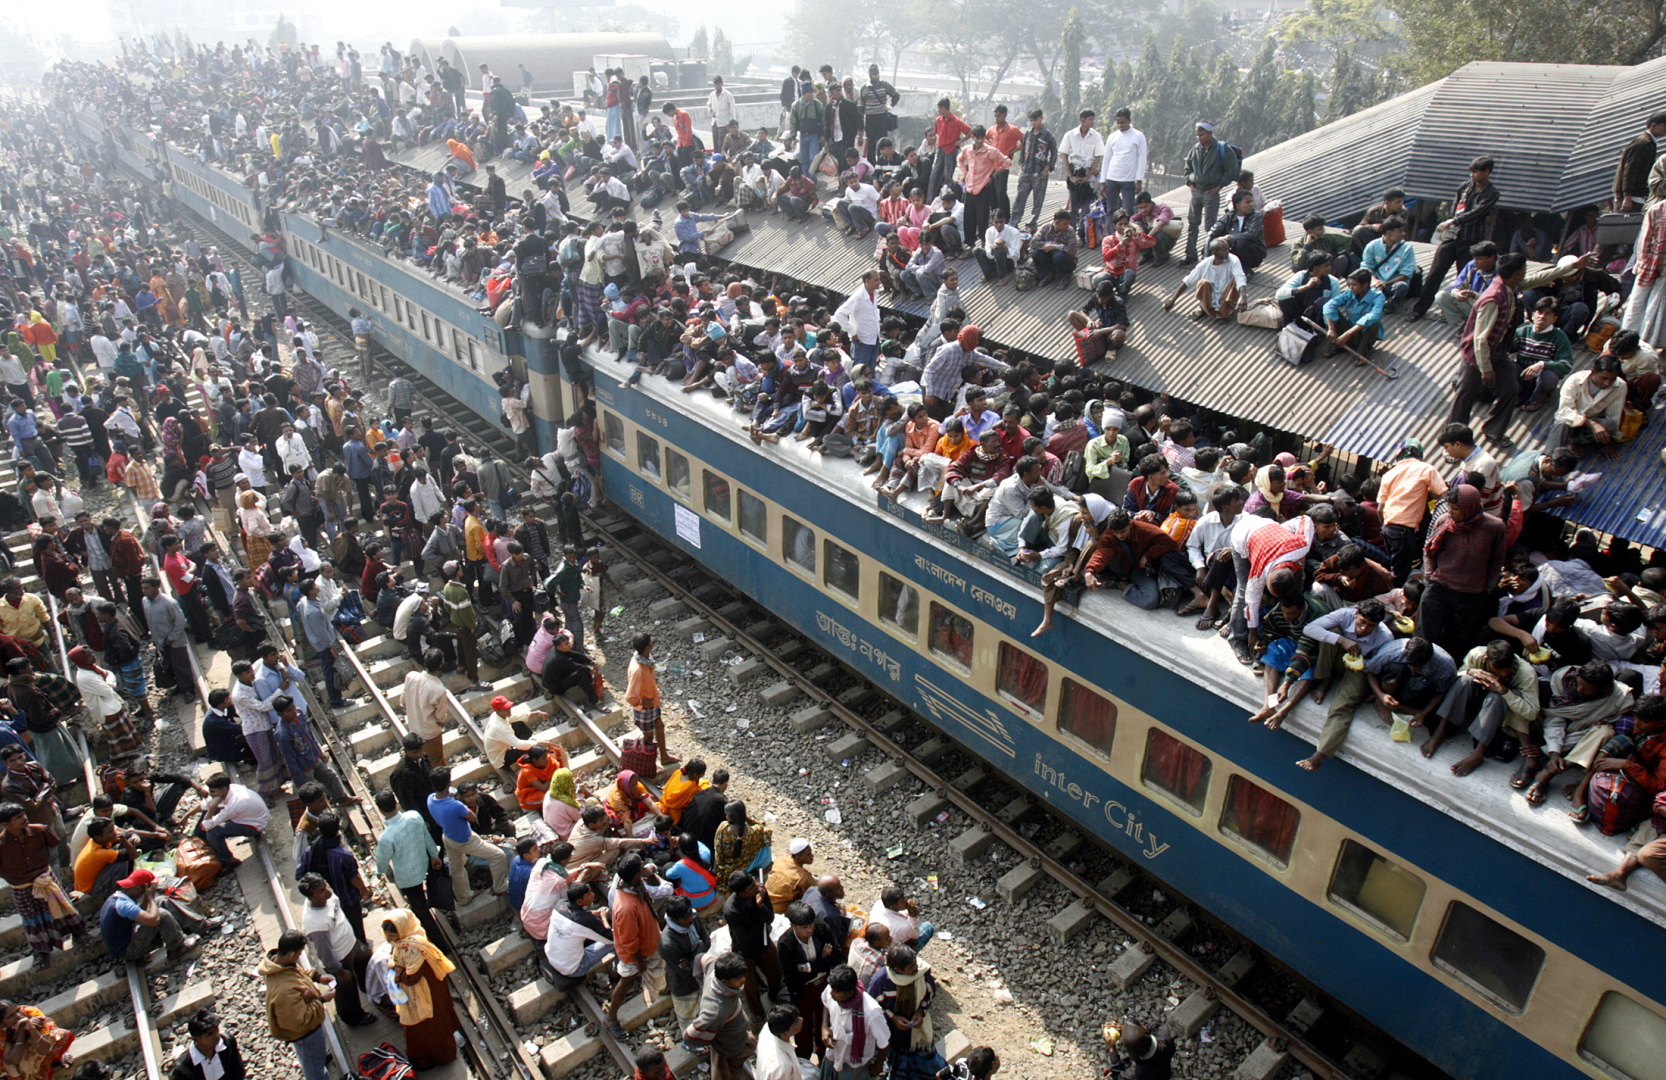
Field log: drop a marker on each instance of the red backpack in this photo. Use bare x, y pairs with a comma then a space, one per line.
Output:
385, 1063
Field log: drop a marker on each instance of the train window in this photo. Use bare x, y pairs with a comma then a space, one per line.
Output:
1260, 819
457, 344
899, 605
1089, 716
474, 355
842, 570
798, 544
1176, 769
1626, 1039
1489, 956
1022, 680
647, 456
951, 636
398, 309
677, 475
383, 289
1372, 887
754, 518
612, 427
717, 496
427, 327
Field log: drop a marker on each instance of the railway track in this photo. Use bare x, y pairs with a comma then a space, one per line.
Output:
1300, 1027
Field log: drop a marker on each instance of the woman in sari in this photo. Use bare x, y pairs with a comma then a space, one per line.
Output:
34, 1046
257, 528
628, 801
419, 972
739, 844
34, 693
104, 705
904, 989
562, 808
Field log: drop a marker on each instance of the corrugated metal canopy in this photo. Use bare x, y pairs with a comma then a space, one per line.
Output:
1520, 115
1526, 116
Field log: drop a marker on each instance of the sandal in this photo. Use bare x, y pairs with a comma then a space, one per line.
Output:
1579, 815
1523, 775
1211, 622
1536, 794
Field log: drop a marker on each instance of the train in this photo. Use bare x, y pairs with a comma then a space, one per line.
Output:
1446, 913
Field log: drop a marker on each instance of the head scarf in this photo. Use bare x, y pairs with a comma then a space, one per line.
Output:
1469, 499
628, 798
248, 499
413, 947
1411, 448
82, 657
1098, 507
1264, 484
564, 788
969, 338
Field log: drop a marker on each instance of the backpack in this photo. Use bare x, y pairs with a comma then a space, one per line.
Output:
508, 497
1023, 275
384, 1063
1233, 152
1296, 344
1075, 472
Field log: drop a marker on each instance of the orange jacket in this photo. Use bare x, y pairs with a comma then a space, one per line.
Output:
635, 930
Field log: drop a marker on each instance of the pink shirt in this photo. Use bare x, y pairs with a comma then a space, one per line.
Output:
977, 165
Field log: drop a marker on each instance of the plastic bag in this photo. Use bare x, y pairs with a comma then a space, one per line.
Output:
1401, 731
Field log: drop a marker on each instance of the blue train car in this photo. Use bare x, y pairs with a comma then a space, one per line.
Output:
1446, 912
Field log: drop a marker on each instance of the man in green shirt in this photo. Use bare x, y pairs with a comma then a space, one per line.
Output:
1210, 166
1316, 237
463, 620
566, 581
1545, 355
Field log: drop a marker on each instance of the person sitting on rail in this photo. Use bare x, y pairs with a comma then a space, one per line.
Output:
137, 915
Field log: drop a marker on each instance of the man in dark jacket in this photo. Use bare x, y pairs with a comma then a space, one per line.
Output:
1243, 231
681, 946
1471, 221
1142, 1054
748, 914
1631, 179
705, 811
807, 953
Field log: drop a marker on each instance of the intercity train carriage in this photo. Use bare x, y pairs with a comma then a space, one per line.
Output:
1445, 912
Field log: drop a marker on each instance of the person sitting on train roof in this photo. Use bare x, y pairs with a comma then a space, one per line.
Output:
1581, 698
1139, 558
1217, 282
1241, 228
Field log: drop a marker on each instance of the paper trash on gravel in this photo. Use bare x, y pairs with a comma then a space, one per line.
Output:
694, 706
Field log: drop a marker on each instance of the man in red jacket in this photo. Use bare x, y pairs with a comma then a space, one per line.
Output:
635, 936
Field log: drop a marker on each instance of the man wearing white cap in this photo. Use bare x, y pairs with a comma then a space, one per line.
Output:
787, 877
1210, 166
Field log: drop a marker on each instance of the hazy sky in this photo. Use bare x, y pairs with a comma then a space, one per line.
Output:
366, 20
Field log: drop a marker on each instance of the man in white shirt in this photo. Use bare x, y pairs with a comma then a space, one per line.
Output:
842, 1001
1083, 150
249, 459
859, 315
1123, 174
231, 810
859, 208
1218, 282
104, 350
721, 104
617, 153
339, 951
776, 1058
1001, 243
902, 916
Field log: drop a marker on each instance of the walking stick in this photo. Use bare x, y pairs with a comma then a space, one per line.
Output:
1387, 373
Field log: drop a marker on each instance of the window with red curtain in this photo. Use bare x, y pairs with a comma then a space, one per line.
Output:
1261, 818
1022, 678
951, 635
1174, 767
1089, 716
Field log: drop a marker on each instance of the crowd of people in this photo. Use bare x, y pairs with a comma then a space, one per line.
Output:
1435, 587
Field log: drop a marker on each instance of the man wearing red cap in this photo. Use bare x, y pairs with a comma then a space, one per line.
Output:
135, 916
507, 739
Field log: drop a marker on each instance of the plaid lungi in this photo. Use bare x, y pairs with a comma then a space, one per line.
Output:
121, 738
131, 682
270, 771
43, 930
646, 719
588, 299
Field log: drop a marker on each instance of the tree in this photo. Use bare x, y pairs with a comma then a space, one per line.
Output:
1074, 34
723, 54
1334, 25
700, 46
1254, 113
1443, 35
1300, 113
284, 33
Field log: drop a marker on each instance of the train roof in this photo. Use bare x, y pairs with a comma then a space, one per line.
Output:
1226, 367
1484, 801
